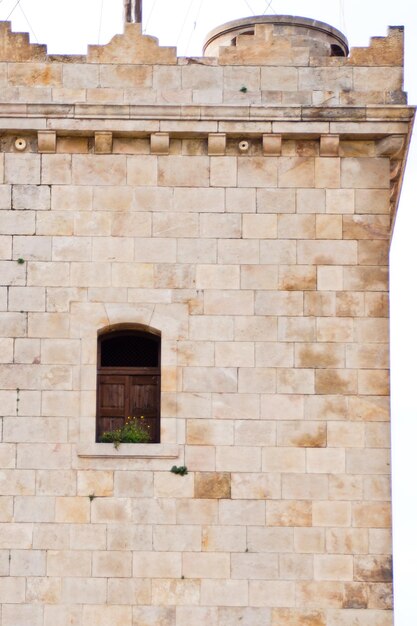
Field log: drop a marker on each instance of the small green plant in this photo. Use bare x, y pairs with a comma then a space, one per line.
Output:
20, 261
243, 89
132, 431
91, 496
181, 470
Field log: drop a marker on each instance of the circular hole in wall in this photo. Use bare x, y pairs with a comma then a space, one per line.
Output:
20, 144
243, 146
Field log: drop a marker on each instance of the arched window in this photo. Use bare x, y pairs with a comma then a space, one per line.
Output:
128, 380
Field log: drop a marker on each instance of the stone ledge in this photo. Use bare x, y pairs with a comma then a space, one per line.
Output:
206, 113
128, 451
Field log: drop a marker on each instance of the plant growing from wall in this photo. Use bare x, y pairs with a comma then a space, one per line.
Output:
132, 431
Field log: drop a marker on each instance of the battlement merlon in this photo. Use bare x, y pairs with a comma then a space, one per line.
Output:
274, 37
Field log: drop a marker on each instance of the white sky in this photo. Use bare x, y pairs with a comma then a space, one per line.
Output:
68, 26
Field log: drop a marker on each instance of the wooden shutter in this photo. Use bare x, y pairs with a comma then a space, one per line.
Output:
144, 401
128, 381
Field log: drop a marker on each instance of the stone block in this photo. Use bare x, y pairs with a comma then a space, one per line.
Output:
259, 276
199, 200
347, 541
298, 617
304, 487
235, 406
278, 303
240, 200
183, 171
94, 169
371, 515
279, 251
256, 171
297, 381
196, 615
272, 145
88, 537
257, 380
74, 510
327, 461
333, 567
103, 142
336, 381
111, 564
340, 201
327, 172
256, 486
329, 145
106, 615
331, 513
216, 144
22, 614
259, 227
224, 593
111, 510
296, 172
167, 485
283, 460
73, 563
329, 227
297, 278
288, 513
309, 540
180, 592
384, 79
254, 566
154, 616
302, 434
272, 593
274, 200
348, 434
27, 563
247, 431
47, 141
327, 252
157, 564
365, 173
335, 330
33, 197
226, 226
223, 539
238, 459
206, 565
227, 302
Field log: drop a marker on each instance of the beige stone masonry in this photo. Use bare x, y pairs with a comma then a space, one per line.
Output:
103, 142
240, 204
217, 144
132, 48
47, 141
159, 143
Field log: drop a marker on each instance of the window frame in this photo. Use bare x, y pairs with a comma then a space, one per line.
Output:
129, 373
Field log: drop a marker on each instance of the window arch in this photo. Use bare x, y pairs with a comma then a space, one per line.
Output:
128, 379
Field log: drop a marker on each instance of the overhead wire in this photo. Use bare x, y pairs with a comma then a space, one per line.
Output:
184, 21
28, 23
194, 27
150, 15
100, 22
342, 15
249, 6
13, 10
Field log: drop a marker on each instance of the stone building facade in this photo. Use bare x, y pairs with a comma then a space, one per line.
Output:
236, 211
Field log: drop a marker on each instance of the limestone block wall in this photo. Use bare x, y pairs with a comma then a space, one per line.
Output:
264, 267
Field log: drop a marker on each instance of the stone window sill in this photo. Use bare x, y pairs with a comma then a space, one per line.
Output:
128, 451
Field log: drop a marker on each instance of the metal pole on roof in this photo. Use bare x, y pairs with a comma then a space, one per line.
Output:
133, 11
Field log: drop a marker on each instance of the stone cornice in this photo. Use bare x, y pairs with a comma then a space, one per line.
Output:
198, 121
